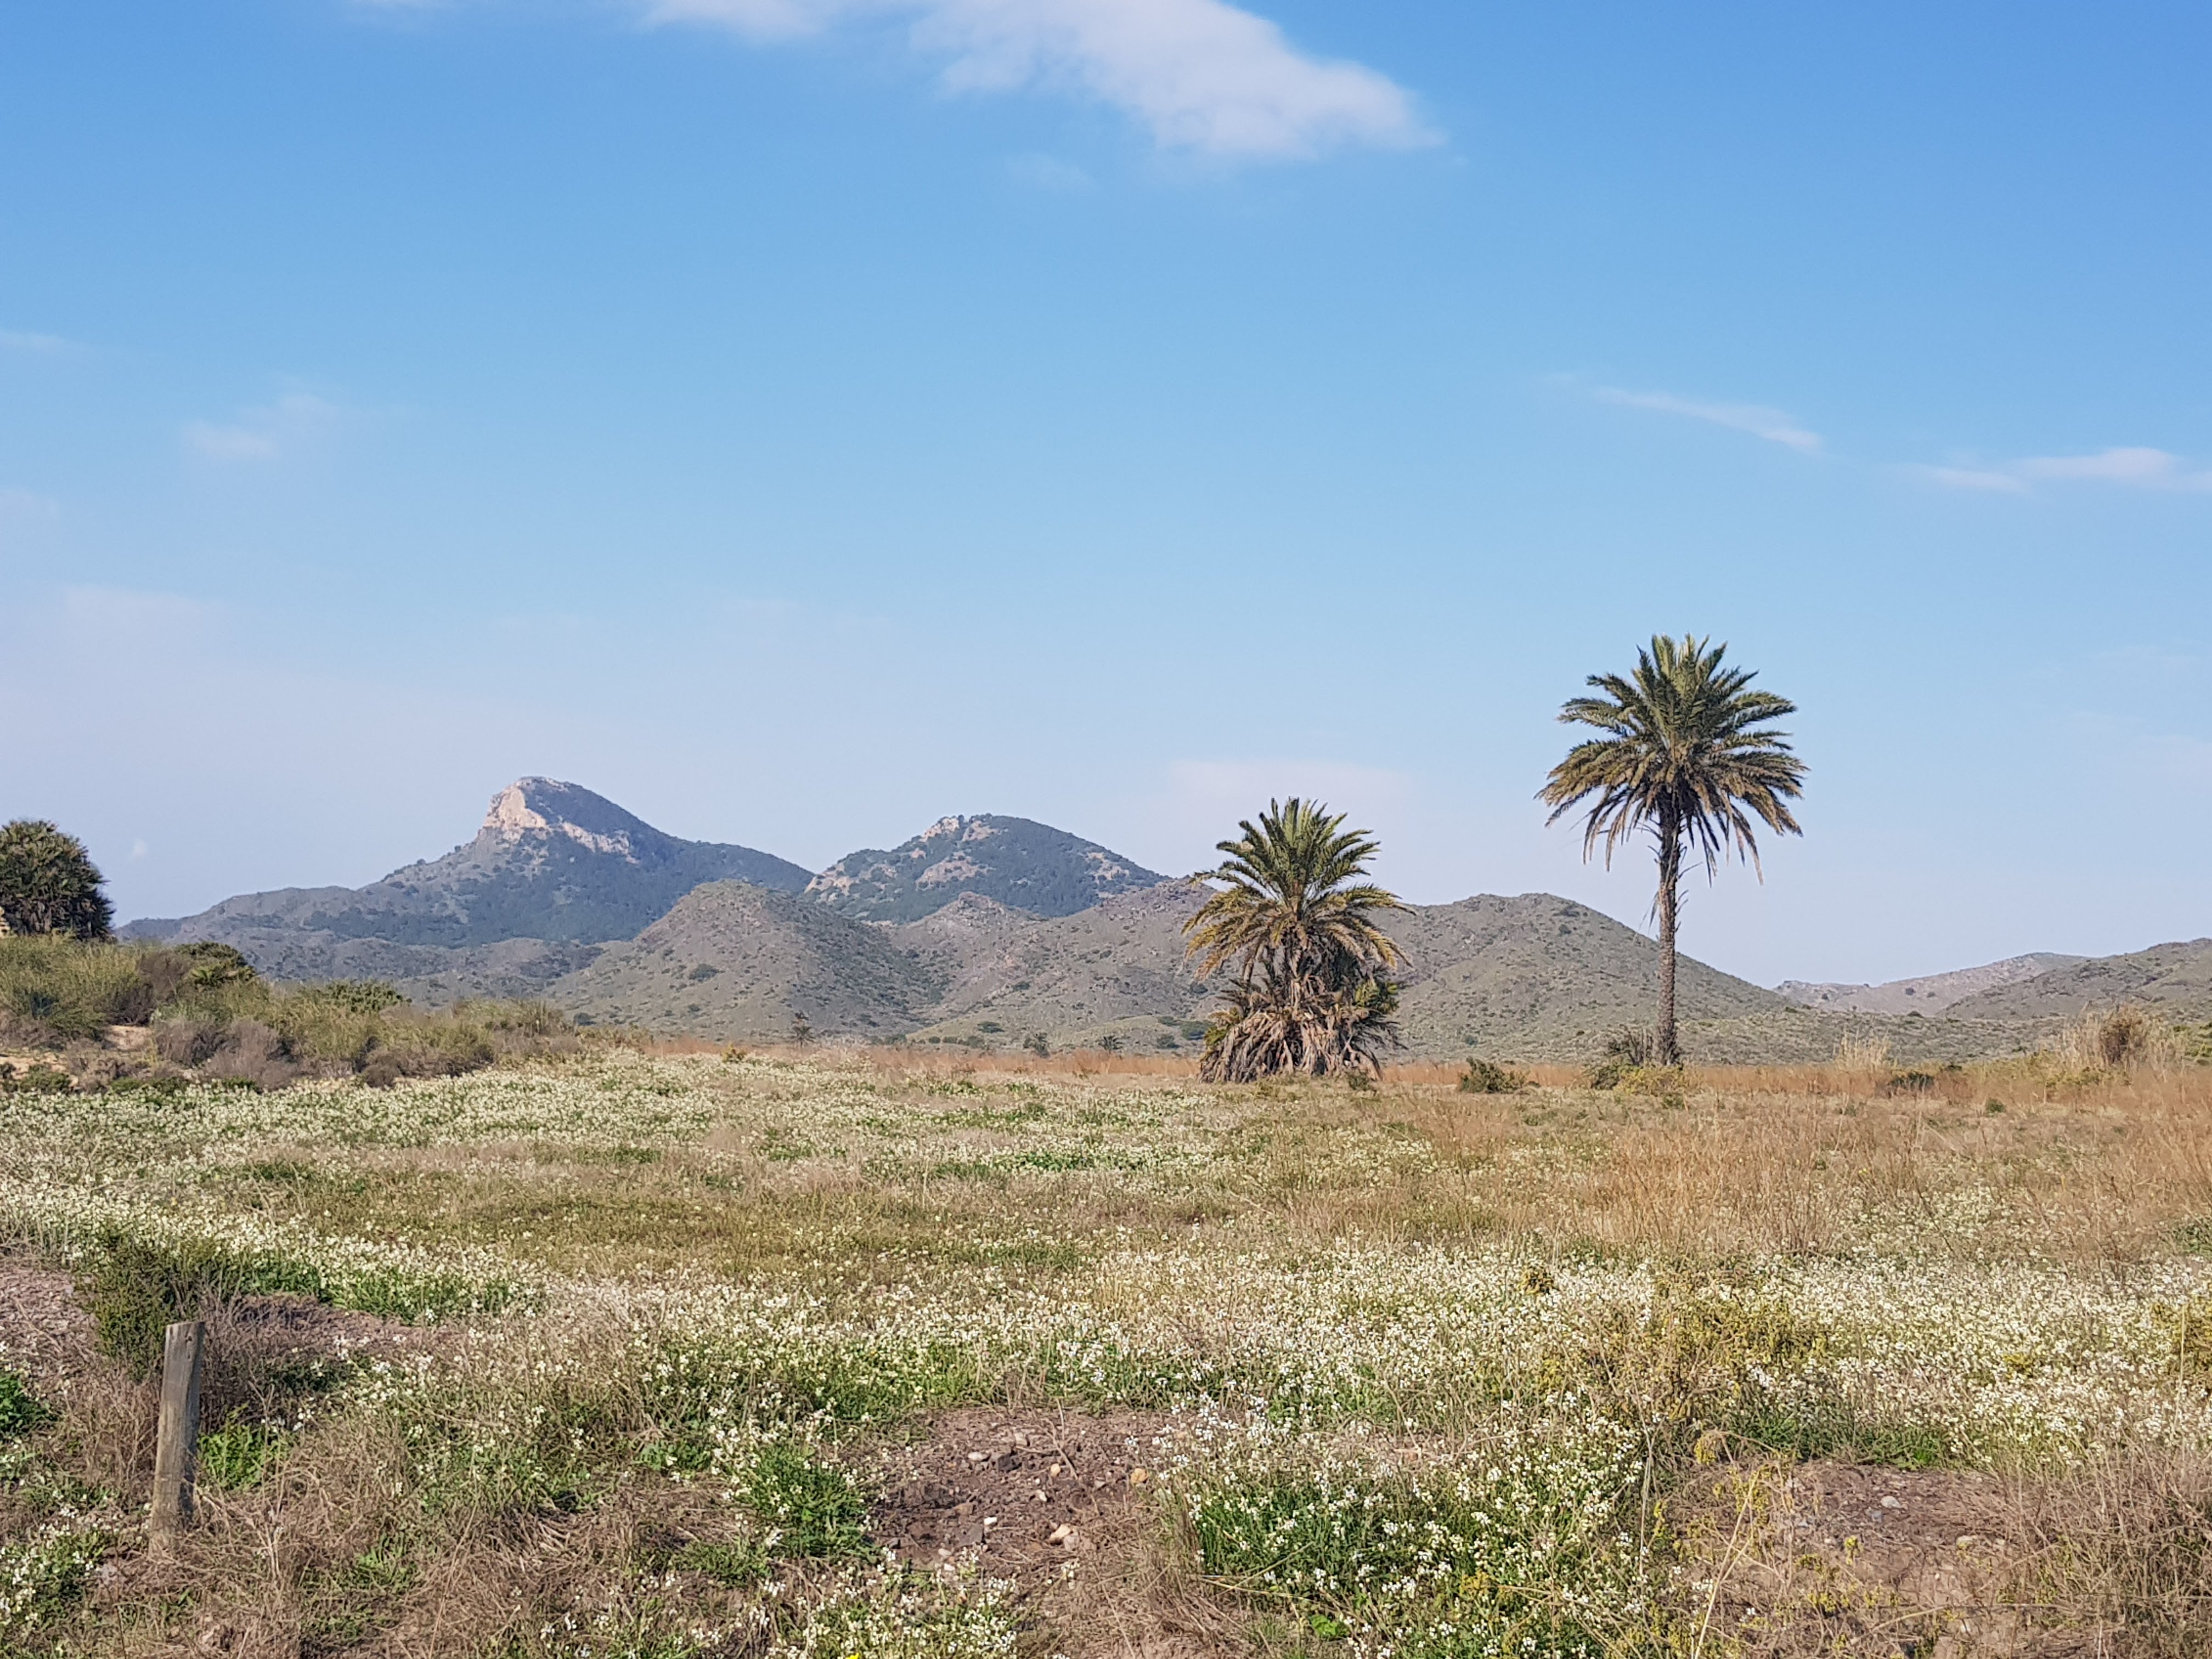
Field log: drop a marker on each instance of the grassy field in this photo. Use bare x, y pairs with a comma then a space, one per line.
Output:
677, 1353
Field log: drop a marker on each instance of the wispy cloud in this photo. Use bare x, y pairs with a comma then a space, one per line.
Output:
262, 434
1201, 76
2128, 468
41, 346
1758, 420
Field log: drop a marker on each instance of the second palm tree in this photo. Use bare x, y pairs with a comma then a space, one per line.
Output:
1687, 754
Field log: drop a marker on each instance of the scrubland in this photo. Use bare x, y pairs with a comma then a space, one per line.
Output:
663, 1353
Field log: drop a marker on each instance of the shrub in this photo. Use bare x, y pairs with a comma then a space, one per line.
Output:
48, 883
209, 1010
33, 1080
42, 1575
1626, 1051
53, 988
1487, 1077
2124, 1036
238, 1456
134, 1289
176, 971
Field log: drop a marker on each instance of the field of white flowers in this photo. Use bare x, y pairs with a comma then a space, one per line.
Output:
630, 1337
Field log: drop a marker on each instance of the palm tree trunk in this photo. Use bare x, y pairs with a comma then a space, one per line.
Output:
1670, 897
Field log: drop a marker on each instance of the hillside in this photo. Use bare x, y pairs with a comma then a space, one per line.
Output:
2174, 979
734, 962
1930, 993
1540, 977
1117, 970
1029, 866
1532, 977
552, 864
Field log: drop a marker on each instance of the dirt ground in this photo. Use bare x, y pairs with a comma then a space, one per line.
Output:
1064, 1504
1829, 1558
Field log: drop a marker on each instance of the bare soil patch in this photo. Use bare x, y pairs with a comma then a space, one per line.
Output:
1063, 1505
1831, 1558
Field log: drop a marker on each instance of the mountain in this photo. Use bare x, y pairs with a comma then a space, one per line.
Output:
2173, 979
1029, 866
553, 872
735, 962
1930, 993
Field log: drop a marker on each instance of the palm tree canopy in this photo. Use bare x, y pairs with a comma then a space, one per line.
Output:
1291, 892
1683, 750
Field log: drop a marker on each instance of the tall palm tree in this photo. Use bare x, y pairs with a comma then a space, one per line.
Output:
1299, 926
1686, 754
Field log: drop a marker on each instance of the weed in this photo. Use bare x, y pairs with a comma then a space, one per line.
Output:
238, 1456
816, 1508
21, 1410
1487, 1077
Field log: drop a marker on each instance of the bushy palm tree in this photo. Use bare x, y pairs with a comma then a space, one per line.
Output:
1687, 755
1297, 925
48, 883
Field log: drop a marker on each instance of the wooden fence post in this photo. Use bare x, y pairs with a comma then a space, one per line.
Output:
176, 1445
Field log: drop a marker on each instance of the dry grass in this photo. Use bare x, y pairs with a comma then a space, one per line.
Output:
337, 1550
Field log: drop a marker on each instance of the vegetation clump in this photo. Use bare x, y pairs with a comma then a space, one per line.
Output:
211, 1015
49, 884
1312, 992
1487, 1077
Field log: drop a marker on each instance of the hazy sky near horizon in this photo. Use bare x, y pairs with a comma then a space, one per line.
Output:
801, 419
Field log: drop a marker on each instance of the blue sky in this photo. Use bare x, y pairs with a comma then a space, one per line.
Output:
799, 419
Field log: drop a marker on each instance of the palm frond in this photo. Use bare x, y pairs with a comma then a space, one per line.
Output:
1687, 751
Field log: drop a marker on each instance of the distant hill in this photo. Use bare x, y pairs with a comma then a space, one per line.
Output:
1029, 866
553, 865
1540, 977
1117, 970
1930, 993
735, 962
2173, 979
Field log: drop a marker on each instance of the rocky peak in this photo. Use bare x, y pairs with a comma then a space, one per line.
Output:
531, 807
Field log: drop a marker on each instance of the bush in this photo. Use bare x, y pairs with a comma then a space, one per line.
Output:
135, 1290
48, 884
211, 1012
33, 1080
1487, 1077
53, 989
1625, 1052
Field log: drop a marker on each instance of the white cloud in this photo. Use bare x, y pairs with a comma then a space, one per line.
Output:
1201, 76
1760, 421
2128, 467
262, 434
